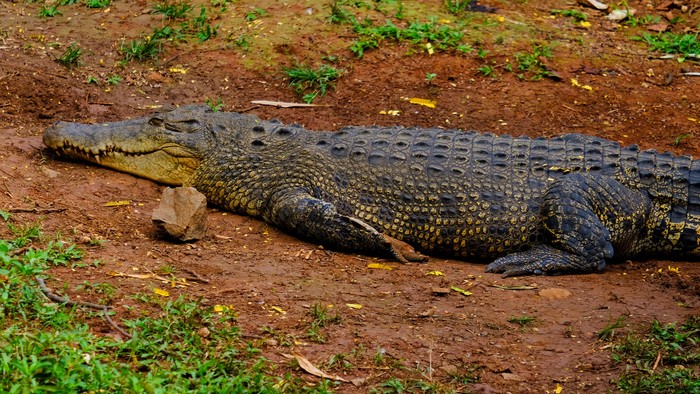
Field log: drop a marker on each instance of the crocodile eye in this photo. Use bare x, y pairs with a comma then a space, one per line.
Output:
157, 122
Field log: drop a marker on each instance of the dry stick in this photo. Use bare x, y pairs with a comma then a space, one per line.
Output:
36, 210
60, 300
197, 277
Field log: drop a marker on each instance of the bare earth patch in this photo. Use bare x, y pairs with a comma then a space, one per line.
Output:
404, 327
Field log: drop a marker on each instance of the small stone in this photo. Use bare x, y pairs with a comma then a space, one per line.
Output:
203, 332
182, 214
441, 291
512, 377
555, 293
49, 172
593, 4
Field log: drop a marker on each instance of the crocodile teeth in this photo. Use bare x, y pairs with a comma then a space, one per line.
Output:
97, 159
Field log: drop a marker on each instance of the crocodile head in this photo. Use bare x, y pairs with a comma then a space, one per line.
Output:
166, 147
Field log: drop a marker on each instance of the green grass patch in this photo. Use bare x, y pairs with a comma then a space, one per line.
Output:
320, 318
141, 49
577, 15
178, 345
48, 11
663, 358
431, 35
671, 43
309, 83
71, 56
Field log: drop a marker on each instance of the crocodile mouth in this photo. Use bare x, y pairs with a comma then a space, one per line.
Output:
170, 164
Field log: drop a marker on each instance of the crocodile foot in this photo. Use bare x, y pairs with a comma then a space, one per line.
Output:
404, 252
543, 260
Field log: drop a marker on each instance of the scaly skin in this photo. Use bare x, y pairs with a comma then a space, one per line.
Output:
529, 206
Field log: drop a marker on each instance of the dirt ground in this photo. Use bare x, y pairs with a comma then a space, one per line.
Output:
272, 279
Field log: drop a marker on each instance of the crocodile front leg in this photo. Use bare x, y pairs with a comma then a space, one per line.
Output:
587, 219
318, 221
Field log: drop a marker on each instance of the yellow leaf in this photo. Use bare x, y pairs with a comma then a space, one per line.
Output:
278, 310
354, 306
574, 82
117, 203
585, 24
180, 70
461, 291
676, 269
559, 389
423, 102
161, 292
429, 48
380, 266
435, 273
392, 112
501, 19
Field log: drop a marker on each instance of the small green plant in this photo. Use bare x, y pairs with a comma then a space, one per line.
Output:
338, 13
243, 41
320, 318
523, 321
633, 21
456, 7
167, 33
141, 49
215, 106
430, 76
608, 332
71, 56
92, 79
481, 53
97, 3
487, 70
49, 11
679, 140
310, 83
663, 358
255, 14
576, 14
114, 79
174, 9
531, 62
221, 3
672, 43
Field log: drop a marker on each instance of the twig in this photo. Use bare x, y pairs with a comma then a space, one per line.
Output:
656, 363
36, 210
197, 277
61, 300
691, 74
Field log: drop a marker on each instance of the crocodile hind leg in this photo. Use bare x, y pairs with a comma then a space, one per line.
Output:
319, 221
586, 220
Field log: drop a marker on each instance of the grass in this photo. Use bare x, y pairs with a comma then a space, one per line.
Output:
663, 358
456, 7
141, 49
320, 318
71, 56
48, 11
530, 63
178, 345
173, 9
577, 15
431, 35
97, 3
309, 83
671, 43
523, 321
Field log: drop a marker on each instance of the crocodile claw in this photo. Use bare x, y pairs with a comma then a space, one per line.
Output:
404, 252
543, 260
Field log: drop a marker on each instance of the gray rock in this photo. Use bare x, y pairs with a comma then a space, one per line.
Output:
182, 214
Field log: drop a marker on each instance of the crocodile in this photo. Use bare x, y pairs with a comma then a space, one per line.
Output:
525, 206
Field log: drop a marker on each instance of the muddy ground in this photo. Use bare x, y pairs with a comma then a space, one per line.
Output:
272, 279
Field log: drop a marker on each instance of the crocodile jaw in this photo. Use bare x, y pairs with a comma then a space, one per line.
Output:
132, 146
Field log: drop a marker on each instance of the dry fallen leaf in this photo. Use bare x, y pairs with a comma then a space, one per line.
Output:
354, 306
161, 292
117, 203
435, 273
461, 291
307, 366
380, 266
424, 102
